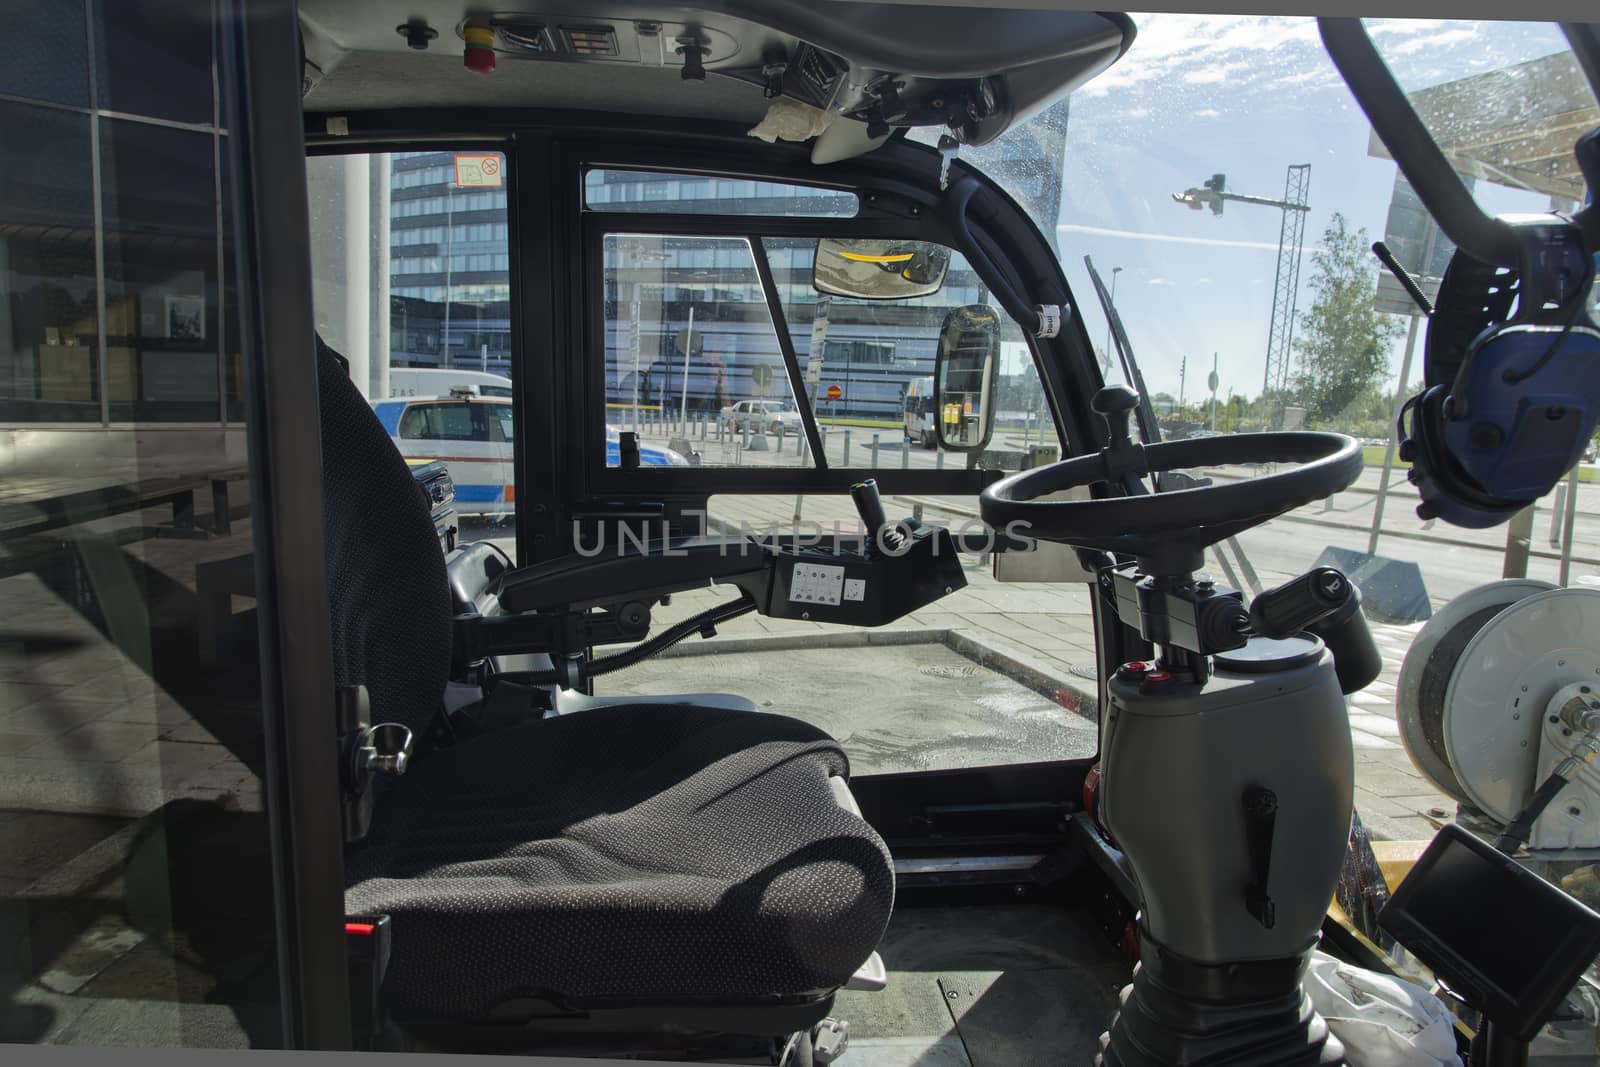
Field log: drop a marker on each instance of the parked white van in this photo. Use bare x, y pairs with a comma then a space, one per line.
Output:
431, 381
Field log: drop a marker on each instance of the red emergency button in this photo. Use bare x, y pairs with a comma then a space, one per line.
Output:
1134, 670
360, 929
479, 54
1155, 679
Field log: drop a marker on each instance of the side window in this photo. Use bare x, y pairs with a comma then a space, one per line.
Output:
455, 422
429, 241
688, 340
440, 422
500, 427
622, 190
414, 423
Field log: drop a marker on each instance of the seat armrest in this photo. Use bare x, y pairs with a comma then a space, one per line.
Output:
672, 567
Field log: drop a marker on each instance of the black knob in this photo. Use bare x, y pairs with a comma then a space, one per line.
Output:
1115, 403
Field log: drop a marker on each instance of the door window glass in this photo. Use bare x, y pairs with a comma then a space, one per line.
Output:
136, 877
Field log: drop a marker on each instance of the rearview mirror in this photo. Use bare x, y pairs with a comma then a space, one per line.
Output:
964, 374
873, 269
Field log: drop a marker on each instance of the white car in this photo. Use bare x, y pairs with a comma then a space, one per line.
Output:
474, 438
770, 416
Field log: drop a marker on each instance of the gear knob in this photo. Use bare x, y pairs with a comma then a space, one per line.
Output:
1115, 403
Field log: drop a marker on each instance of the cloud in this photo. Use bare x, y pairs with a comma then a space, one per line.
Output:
1251, 56
1442, 39
1159, 280
1175, 46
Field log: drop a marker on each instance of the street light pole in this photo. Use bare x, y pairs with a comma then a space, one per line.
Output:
449, 256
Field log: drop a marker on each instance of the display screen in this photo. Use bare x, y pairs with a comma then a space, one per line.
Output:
1492, 930
1468, 902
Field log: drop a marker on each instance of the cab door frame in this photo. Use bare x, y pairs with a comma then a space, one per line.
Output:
259, 85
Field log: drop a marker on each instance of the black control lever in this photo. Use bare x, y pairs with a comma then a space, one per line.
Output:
869, 505
1325, 603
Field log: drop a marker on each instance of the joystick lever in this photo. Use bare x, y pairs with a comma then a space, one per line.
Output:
869, 505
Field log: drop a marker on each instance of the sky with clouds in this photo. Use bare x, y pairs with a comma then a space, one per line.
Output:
1199, 94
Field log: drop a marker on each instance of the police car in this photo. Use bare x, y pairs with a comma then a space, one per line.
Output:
472, 435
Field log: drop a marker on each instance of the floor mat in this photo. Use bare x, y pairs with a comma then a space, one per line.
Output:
986, 987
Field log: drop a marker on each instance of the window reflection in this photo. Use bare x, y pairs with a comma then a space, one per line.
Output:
161, 274
49, 370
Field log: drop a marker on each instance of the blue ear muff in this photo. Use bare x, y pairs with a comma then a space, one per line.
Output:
1447, 491
1524, 406
1521, 402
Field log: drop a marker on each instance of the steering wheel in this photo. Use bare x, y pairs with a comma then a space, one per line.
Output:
1168, 532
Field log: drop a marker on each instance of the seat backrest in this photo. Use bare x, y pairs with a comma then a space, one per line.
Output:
387, 591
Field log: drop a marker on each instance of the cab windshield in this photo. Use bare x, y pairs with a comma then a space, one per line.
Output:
1225, 189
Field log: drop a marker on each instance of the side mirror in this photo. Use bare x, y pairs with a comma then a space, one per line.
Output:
964, 375
873, 269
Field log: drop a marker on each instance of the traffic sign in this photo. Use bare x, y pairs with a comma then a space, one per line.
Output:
1212, 381
684, 339
834, 392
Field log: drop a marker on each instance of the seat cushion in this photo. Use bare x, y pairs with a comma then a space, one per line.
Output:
644, 854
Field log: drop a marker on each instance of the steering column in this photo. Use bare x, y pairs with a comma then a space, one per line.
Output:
1227, 768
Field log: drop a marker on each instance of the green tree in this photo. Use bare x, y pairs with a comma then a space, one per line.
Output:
1342, 343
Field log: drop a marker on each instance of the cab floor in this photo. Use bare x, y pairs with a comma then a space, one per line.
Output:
985, 987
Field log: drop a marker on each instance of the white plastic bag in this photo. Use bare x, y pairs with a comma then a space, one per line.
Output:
1381, 1021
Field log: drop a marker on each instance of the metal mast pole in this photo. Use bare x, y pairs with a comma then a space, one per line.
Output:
1286, 285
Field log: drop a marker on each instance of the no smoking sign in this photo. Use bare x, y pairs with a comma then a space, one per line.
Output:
477, 170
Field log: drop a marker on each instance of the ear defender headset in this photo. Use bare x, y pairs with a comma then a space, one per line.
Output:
1510, 396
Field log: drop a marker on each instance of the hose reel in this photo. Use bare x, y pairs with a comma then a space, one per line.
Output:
1500, 691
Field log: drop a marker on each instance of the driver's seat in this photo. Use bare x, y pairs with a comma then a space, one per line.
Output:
635, 866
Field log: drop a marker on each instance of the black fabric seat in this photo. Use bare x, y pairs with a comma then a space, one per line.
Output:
644, 853
634, 855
